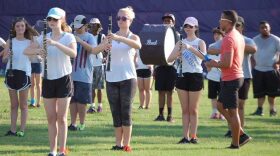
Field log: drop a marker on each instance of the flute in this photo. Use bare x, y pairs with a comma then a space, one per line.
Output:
45, 49
108, 68
10, 71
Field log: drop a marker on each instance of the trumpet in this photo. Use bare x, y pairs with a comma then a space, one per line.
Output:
10, 71
108, 68
45, 49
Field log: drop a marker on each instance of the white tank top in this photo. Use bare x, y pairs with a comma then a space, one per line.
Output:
140, 64
122, 64
20, 61
190, 62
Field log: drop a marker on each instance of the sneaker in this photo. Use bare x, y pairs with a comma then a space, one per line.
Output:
184, 141
32, 103
170, 119
91, 110
10, 133
243, 139
272, 112
20, 134
116, 148
38, 105
258, 112
141, 107
99, 109
51, 154
72, 128
160, 118
193, 141
214, 116
81, 127
127, 148
62, 154
228, 134
233, 147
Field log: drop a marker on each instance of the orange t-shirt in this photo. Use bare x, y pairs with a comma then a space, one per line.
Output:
234, 43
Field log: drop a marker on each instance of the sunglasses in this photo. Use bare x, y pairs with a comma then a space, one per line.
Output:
52, 19
123, 18
224, 19
188, 26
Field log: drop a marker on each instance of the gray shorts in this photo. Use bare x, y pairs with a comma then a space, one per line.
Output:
98, 78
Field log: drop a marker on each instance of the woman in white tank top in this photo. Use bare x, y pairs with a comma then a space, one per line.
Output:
121, 80
18, 83
192, 50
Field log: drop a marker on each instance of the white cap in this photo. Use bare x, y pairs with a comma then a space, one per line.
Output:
192, 21
94, 20
79, 21
56, 13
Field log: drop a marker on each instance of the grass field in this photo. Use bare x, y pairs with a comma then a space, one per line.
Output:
150, 138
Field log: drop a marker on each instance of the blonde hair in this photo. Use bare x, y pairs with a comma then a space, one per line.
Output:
129, 11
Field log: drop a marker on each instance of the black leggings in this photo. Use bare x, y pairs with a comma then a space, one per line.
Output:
120, 96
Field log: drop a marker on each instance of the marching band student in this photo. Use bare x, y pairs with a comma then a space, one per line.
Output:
214, 75
18, 84
190, 85
165, 77
121, 80
144, 82
57, 87
95, 28
82, 72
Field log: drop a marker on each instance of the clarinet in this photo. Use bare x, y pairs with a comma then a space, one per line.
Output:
10, 71
108, 68
45, 49
180, 66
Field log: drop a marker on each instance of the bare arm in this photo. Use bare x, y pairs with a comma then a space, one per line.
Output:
70, 50
250, 49
133, 42
213, 51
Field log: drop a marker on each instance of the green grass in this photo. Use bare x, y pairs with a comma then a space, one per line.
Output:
149, 137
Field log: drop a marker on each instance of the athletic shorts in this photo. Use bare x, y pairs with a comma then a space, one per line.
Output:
244, 90
266, 83
58, 88
190, 82
165, 78
36, 68
18, 81
144, 73
214, 89
98, 78
229, 93
82, 93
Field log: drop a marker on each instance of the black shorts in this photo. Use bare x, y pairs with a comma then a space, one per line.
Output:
165, 78
36, 68
58, 88
190, 82
19, 81
229, 93
82, 93
244, 90
266, 83
144, 73
214, 89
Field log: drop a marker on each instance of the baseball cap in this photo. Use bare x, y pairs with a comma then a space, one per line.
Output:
79, 21
168, 15
240, 20
94, 20
56, 13
192, 21
218, 30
